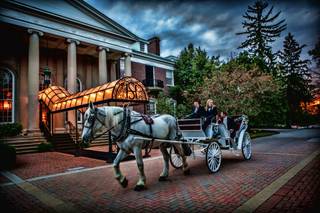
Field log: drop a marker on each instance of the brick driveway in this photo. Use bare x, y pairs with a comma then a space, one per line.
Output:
238, 181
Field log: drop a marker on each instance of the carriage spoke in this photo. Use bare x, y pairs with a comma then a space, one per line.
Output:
213, 157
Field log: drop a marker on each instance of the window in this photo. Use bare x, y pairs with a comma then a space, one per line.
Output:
152, 107
6, 96
142, 47
169, 77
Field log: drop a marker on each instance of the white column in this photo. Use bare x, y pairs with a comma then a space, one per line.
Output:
88, 73
103, 74
127, 65
72, 73
58, 117
33, 80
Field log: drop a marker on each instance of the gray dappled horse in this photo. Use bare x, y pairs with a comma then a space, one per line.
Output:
125, 125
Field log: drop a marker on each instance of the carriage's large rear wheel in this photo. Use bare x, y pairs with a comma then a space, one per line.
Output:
213, 157
175, 158
246, 147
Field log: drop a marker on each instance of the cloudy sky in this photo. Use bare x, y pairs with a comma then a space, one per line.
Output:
209, 24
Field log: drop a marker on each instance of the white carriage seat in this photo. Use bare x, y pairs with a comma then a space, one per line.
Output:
191, 129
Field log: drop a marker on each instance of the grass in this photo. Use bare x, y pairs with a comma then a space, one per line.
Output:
258, 133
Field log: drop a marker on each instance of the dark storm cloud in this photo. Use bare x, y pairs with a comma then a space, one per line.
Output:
209, 24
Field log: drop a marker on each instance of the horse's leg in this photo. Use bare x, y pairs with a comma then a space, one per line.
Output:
165, 172
142, 178
185, 167
117, 173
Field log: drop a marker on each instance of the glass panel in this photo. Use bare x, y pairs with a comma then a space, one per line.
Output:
99, 96
85, 99
107, 94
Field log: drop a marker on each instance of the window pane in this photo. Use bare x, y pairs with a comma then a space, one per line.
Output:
6, 96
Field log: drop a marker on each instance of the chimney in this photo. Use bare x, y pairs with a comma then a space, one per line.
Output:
154, 45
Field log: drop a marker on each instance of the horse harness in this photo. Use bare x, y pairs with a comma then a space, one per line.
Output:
125, 125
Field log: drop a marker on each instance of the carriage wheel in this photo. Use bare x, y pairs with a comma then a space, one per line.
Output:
246, 147
175, 158
213, 157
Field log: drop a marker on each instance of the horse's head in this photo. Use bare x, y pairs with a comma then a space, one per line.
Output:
92, 123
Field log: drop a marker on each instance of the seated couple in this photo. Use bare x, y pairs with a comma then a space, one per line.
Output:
210, 115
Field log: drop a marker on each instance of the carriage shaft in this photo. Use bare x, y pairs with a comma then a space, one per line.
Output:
170, 141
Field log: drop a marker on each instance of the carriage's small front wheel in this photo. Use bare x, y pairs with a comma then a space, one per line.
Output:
213, 157
246, 147
175, 158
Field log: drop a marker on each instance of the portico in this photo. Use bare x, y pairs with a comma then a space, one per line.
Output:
77, 45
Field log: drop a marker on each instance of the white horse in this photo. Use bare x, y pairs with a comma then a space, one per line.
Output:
124, 130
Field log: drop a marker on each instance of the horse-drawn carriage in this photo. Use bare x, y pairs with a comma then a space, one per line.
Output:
192, 134
130, 130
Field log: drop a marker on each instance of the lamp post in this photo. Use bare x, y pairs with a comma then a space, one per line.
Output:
47, 76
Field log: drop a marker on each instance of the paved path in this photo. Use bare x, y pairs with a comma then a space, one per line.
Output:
283, 175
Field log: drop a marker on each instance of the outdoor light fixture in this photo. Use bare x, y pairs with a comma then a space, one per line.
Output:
47, 76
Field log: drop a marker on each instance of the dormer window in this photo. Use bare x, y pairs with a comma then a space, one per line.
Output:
142, 47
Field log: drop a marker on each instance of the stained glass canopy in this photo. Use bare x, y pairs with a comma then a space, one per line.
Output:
126, 89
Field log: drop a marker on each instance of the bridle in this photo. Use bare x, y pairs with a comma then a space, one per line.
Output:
93, 117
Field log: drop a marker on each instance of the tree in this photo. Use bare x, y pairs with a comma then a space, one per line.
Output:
192, 66
315, 53
261, 31
241, 87
296, 76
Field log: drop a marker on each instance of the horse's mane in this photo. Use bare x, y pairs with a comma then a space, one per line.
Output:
110, 111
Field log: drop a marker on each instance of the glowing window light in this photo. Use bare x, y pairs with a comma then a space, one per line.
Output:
6, 105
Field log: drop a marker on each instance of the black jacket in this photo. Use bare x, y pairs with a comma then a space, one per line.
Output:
210, 115
198, 114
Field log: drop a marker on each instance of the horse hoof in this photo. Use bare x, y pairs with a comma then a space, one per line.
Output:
139, 188
124, 183
163, 178
186, 172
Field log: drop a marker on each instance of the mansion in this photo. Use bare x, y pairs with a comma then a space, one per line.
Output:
68, 43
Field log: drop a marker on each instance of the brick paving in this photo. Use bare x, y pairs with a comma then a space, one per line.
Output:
14, 199
39, 164
233, 185
300, 194
224, 191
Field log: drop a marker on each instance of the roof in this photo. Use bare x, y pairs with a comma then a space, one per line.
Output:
78, 12
127, 89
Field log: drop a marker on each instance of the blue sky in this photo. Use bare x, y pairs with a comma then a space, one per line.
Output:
209, 24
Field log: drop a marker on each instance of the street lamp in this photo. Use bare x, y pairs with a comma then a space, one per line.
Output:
47, 76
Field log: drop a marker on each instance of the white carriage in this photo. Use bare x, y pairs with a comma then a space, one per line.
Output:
192, 134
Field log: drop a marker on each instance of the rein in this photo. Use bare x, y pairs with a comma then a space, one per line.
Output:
125, 127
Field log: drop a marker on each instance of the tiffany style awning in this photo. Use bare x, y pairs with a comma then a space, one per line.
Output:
127, 89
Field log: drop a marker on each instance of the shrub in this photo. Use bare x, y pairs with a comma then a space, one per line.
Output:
11, 129
45, 147
7, 156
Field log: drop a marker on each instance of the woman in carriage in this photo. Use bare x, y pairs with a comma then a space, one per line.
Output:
211, 113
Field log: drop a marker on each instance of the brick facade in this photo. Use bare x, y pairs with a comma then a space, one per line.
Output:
154, 45
138, 71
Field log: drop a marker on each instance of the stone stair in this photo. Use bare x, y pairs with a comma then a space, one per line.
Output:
102, 141
24, 144
64, 141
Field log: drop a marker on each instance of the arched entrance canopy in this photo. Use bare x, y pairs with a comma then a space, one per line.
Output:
126, 89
